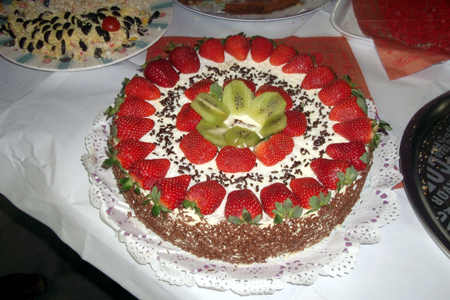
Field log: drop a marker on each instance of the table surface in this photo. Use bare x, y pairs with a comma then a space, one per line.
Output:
45, 117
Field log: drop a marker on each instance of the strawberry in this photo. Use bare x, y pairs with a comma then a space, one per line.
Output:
185, 59
146, 172
270, 88
131, 106
361, 129
333, 173
132, 128
348, 109
282, 54
305, 188
279, 203
233, 160
275, 149
197, 149
142, 88
335, 91
352, 152
261, 48
168, 193
212, 49
187, 118
202, 86
299, 64
205, 197
160, 72
237, 46
250, 84
318, 77
296, 123
243, 206
127, 152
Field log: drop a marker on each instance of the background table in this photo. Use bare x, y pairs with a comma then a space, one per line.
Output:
45, 117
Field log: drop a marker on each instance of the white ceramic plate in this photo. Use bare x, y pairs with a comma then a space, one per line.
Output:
214, 8
155, 30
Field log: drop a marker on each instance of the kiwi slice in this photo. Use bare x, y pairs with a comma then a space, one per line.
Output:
241, 137
210, 108
266, 106
215, 133
237, 97
273, 125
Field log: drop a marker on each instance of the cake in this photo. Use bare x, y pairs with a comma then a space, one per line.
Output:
277, 189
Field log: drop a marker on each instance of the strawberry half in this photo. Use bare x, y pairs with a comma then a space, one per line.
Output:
187, 118
261, 48
348, 109
275, 149
142, 88
237, 46
132, 128
197, 149
202, 86
279, 203
205, 197
361, 130
184, 58
146, 172
212, 49
161, 72
354, 153
299, 64
335, 91
169, 193
250, 84
243, 206
332, 173
233, 160
318, 77
282, 54
305, 188
270, 88
127, 152
296, 123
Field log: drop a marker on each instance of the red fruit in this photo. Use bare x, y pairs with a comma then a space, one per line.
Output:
202, 86
110, 24
133, 128
212, 49
239, 200
261, 48
278, 192
147, 171
187, 118
161, 73
318, 77
142, 88
305, 188
335, 91
270, 88
197, 149
352, 152
237, 46
275, 149
130, 151
282, 54
250, 84
296, 123
360, 129
173, 192
184, 59
349, 109
135, 107
333, 174
206, 196
299, 64
233, 160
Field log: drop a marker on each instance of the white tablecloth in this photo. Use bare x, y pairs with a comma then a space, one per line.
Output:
45, 117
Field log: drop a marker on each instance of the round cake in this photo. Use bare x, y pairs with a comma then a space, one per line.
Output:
240, 150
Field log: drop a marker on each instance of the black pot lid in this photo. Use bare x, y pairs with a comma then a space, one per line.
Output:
425, 165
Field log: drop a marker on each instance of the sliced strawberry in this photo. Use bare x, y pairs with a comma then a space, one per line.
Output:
142, 88
168, 193
354, 153
132, 128
197, 149
243, 206
202, 86
237, 46
296, 123
280, 203
187, 118
146, 172
130, 151
318, 77
261, 48
212, 49
299, 64
250, 84
332, 173
161, 72
282, 54
275, 149
335, 91
362, 130
305, 188
184, 58
270, 88
233, 160
205, 197
348, 109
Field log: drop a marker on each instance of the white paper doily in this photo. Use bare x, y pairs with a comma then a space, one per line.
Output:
334, 256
